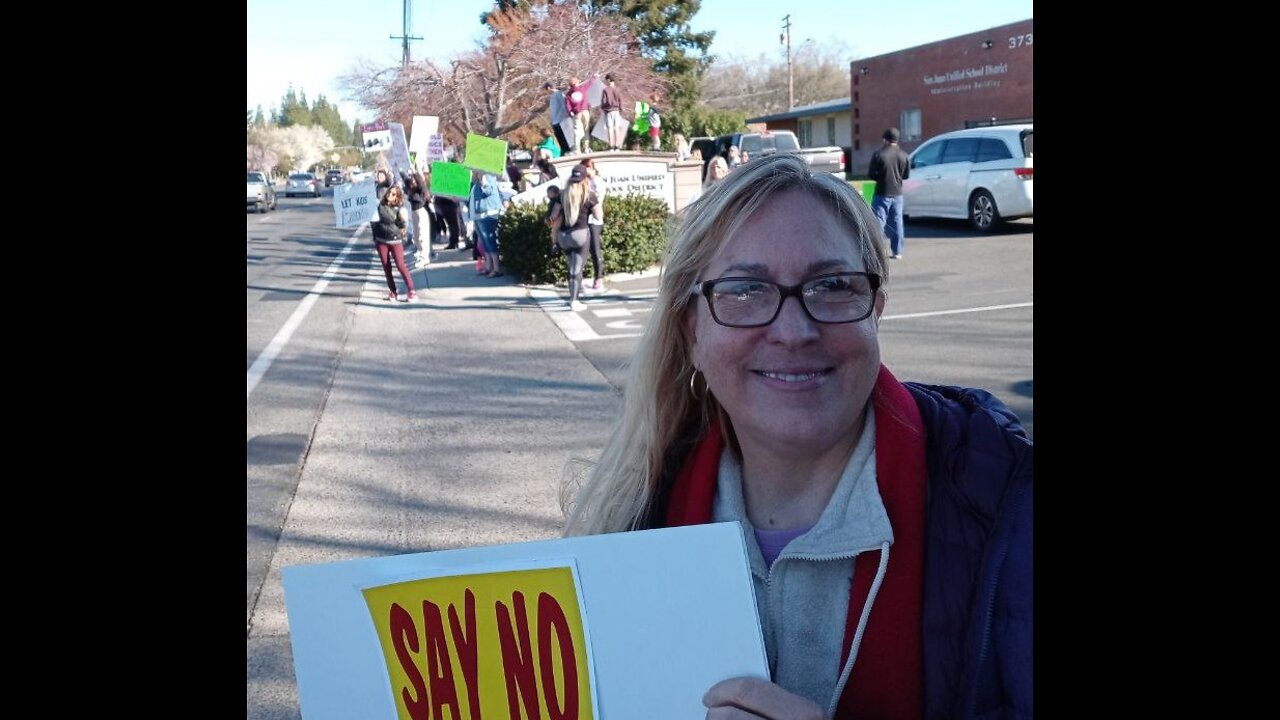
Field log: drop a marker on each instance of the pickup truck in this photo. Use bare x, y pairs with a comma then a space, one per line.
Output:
762, 144
259, 193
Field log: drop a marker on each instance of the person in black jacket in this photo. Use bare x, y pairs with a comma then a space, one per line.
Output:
388, 228
889, 167
450, 212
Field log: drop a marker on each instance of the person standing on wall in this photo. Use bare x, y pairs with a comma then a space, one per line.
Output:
611, 106
579, 107
655, 125
559, 112
889, 167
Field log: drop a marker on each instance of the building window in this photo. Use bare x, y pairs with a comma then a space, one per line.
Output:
855, 97
857, 129
857, 145
831, 131
855, 112
910, 124
806, 133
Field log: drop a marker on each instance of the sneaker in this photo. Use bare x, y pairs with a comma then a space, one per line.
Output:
412, 296
577, 306
596, 285
392, 297
897, 255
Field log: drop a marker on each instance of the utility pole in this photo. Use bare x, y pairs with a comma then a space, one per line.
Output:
406, 37
791, 83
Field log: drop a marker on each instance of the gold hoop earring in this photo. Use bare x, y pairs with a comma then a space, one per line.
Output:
692, 390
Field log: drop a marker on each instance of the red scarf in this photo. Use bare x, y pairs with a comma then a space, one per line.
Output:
887, 678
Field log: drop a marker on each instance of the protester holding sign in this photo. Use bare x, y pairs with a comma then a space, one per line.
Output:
888, 525
388, 237
419, 224
579, 107
485, 204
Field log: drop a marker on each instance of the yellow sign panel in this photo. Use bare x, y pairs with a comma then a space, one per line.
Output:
492, 645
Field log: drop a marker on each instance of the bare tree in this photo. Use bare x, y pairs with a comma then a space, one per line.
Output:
759, 86
496, 90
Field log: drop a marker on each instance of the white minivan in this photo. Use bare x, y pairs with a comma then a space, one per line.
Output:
982, 174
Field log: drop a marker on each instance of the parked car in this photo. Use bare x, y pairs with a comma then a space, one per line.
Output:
303, 183
334, 177
763, 144
983, 175
260, 195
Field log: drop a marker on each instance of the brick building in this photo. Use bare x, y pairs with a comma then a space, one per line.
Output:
976, 79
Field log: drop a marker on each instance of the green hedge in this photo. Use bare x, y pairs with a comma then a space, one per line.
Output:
635, 237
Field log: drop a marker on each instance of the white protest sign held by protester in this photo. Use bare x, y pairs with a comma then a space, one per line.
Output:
375, 136
624, 626
424, 126
435, 148
399, 149
354, 203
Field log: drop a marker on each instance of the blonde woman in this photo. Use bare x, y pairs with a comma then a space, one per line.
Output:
569, 228
888, 525
681, 145
716, 171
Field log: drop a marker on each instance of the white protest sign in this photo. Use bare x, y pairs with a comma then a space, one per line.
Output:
424, 126
435, 148
375, 136
399, 149
354, 203
595, 91
670, 613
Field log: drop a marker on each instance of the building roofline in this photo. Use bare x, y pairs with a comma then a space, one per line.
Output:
822, 108
936, 42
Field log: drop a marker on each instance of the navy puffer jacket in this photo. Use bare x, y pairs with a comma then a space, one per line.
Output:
978, 573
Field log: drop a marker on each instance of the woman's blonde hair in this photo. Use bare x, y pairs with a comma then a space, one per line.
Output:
716, 162
574, 196
659, 409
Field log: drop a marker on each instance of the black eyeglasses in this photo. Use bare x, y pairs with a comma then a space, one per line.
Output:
744, 302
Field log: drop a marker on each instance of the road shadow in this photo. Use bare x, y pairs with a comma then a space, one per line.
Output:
943, 228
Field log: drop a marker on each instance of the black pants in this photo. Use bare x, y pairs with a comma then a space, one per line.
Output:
560, 138
597, 257
452, 217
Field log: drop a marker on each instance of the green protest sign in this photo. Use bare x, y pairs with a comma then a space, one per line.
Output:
450, 179
486, 154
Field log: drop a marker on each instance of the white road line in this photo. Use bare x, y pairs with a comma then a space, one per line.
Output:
611, 312
952, 312
268, 356
574, 328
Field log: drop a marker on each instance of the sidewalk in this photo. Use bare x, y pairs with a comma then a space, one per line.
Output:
450, 423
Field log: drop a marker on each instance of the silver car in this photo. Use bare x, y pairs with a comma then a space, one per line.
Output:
302, 184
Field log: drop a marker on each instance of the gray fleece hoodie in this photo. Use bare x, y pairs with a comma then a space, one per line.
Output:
803, 598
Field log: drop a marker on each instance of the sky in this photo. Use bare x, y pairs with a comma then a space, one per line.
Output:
311, 43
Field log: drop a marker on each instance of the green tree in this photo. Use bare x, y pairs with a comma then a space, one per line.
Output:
294, 109
327, 117
704, 121
662, 29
